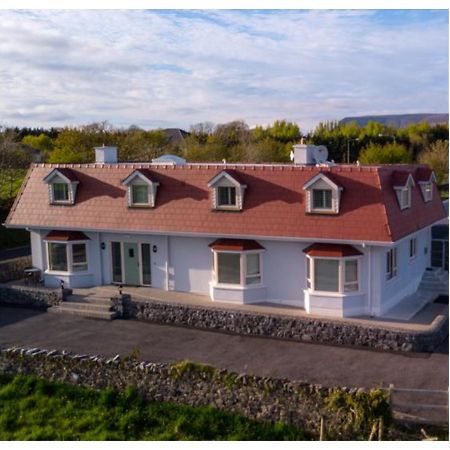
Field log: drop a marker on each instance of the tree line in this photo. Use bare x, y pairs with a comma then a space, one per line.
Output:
234, 142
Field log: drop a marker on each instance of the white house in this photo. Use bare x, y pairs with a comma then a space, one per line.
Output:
338, 240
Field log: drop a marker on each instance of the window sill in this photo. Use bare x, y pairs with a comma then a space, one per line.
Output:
65, 203
65, 273
237, 287
143, 206
323, 211
333, 294
227, 208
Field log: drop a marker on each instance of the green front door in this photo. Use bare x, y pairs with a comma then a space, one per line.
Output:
131, 263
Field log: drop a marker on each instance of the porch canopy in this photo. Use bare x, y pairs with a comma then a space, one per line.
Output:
331, 250
65, 236
238, 245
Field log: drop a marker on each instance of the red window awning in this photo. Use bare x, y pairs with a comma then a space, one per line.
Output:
331, 250
235, 245
60, 235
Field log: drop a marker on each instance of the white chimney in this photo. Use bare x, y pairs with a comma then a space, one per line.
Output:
106, 155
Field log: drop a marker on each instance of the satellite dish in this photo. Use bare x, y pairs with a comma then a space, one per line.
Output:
320, 153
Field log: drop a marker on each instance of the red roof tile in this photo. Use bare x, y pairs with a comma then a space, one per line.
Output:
61, 235
274, 203
235, 244
334, 250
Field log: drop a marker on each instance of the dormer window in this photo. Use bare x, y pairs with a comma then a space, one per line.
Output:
226, 196
62, 186
403, 184
227, 191
426, 177
141, 188
323, 195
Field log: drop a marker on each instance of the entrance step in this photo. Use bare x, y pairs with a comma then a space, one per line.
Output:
85, 306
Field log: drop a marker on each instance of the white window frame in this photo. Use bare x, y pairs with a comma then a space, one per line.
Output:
227, 205
427, 190
405, 198
391, 264
412, 249
69, 256
322, 208
243, 269
132, 202
67, 191
342, 283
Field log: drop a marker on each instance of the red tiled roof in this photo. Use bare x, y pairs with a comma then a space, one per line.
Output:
423, 174
334, 250
61, 235
274, 203
235, 244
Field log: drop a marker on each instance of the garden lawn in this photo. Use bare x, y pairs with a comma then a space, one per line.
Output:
36, 409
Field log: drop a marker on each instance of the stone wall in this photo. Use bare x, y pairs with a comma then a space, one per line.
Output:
13, 269
285, 327
29, 297
262, 398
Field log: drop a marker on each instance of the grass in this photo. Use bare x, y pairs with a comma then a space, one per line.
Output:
36, 409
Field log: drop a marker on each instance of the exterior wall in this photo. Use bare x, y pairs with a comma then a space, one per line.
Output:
37, 256
409, 272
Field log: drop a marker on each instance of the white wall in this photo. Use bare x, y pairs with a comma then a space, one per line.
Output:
409, 272
37, 257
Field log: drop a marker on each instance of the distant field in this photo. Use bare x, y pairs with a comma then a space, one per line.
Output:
35, 409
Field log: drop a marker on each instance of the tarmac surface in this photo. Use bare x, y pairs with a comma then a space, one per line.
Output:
321, 364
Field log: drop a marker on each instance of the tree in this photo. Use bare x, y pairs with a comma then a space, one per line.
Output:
284, 131
436, 156
43, 143
385, 154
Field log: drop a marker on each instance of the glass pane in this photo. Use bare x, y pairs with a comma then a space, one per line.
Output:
229, 270
227, 196
116, 262
146, 269
58, 256
327, 199
60, 192
253, 280
253, 264
351, 271
79, 259
140, 193
326, 275
317, 198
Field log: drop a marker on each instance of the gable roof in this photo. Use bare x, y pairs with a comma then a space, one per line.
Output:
274, 205
67, 174
231, 175
143, 174
424, 175
327, 177
401, 178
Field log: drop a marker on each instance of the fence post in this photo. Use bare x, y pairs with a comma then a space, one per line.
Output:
322, 431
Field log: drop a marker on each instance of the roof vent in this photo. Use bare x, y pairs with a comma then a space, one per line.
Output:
169, 159
105, 155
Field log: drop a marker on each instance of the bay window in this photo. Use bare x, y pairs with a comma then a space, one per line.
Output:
67, 256
238, 268
338, 275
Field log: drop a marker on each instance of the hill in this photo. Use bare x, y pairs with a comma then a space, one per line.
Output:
399, 120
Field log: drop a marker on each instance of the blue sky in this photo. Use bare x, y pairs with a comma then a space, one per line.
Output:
177, 68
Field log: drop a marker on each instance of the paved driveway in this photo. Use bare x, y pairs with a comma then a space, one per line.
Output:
321, 364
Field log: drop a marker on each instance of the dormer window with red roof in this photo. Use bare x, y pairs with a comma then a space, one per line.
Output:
403, 183
227, 191
323, 195
426, 177
141, 189
62, 185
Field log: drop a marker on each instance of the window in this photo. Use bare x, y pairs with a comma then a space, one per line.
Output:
338, 275
67, 257
60, 192
322, 199
412, 248
79, 258
139, 194
405, 198
428, 192
57, 256
238, 268
116, 251
391, 263
351, 276
226, 196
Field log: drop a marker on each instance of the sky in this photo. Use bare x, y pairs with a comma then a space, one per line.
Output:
176, 68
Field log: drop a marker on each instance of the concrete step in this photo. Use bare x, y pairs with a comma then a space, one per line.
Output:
89, 299
105, 315
84, 306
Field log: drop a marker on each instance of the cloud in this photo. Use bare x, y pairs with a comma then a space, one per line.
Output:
176, 68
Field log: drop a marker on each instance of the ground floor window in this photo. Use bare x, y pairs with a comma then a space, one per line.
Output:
238, 268
338, 275
67, 256
412, 248
391, 263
